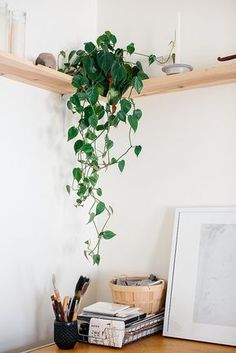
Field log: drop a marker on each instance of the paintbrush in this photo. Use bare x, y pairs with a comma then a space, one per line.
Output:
78, 288
65, 303
83, 291
58, 298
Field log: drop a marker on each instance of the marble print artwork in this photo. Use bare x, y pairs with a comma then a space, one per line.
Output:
215, 294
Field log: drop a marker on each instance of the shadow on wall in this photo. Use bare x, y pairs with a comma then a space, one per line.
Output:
161, 258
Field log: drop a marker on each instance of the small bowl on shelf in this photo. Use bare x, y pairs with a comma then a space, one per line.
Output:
176, 69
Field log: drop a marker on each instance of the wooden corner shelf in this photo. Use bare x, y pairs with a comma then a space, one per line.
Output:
22, 70
25, 71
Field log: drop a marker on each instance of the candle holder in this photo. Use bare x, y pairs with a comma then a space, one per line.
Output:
176, 69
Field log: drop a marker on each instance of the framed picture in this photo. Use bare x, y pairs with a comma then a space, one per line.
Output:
201, 294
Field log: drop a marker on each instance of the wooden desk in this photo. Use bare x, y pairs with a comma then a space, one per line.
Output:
153, 344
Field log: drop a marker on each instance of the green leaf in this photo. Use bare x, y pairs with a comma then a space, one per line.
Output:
91, 217
118, 73
151, 59
77, 81
77, 173
137, 84
113, 160
93, 178
77, 146
87, 148
69, 105
133, 121
89, 47
96, 259
72, 53
130, 48
99, 192
125, 105
137, 150
121, 165
88, 111
109, 144
93, 95
121, 116
100, 111
142, 75
100, 127
111, 37
82, 190
105, 60
75, 99
68, 189
72, 133
93, 121
137, 113
83, 124
108, 234
90, 135
100, 207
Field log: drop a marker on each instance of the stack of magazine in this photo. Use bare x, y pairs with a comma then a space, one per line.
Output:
115, 325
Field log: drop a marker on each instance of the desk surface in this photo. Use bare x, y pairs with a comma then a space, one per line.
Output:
153, 344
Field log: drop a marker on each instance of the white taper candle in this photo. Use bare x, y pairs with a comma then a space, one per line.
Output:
178, 39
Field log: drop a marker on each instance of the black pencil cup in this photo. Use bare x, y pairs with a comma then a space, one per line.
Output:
65, 334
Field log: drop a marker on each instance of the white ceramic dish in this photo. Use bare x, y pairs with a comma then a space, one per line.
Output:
176, 69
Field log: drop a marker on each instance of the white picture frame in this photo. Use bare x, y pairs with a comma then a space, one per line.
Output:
201, 293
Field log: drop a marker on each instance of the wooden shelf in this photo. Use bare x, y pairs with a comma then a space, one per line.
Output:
40, 76
25, 71
218, 75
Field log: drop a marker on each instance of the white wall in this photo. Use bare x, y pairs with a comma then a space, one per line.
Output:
188, 137
188, 158
41, 231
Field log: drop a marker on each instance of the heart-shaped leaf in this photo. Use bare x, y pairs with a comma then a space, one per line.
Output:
108, 234
137, 84
96, 259
77, 146
72, 133
121, 165
133, 121
137, 150
77, 173
100, 208
125, 105
99, 192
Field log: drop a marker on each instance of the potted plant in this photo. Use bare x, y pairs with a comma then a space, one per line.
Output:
101, 70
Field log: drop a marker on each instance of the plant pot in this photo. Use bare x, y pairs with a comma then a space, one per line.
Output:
176, 69
65, 334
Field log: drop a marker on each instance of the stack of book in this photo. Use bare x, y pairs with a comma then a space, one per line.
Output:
115, 325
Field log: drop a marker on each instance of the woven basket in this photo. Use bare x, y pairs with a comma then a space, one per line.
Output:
150, 299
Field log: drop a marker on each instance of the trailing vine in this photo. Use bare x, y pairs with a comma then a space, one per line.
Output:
101, 69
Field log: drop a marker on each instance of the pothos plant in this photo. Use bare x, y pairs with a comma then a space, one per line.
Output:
103, 70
